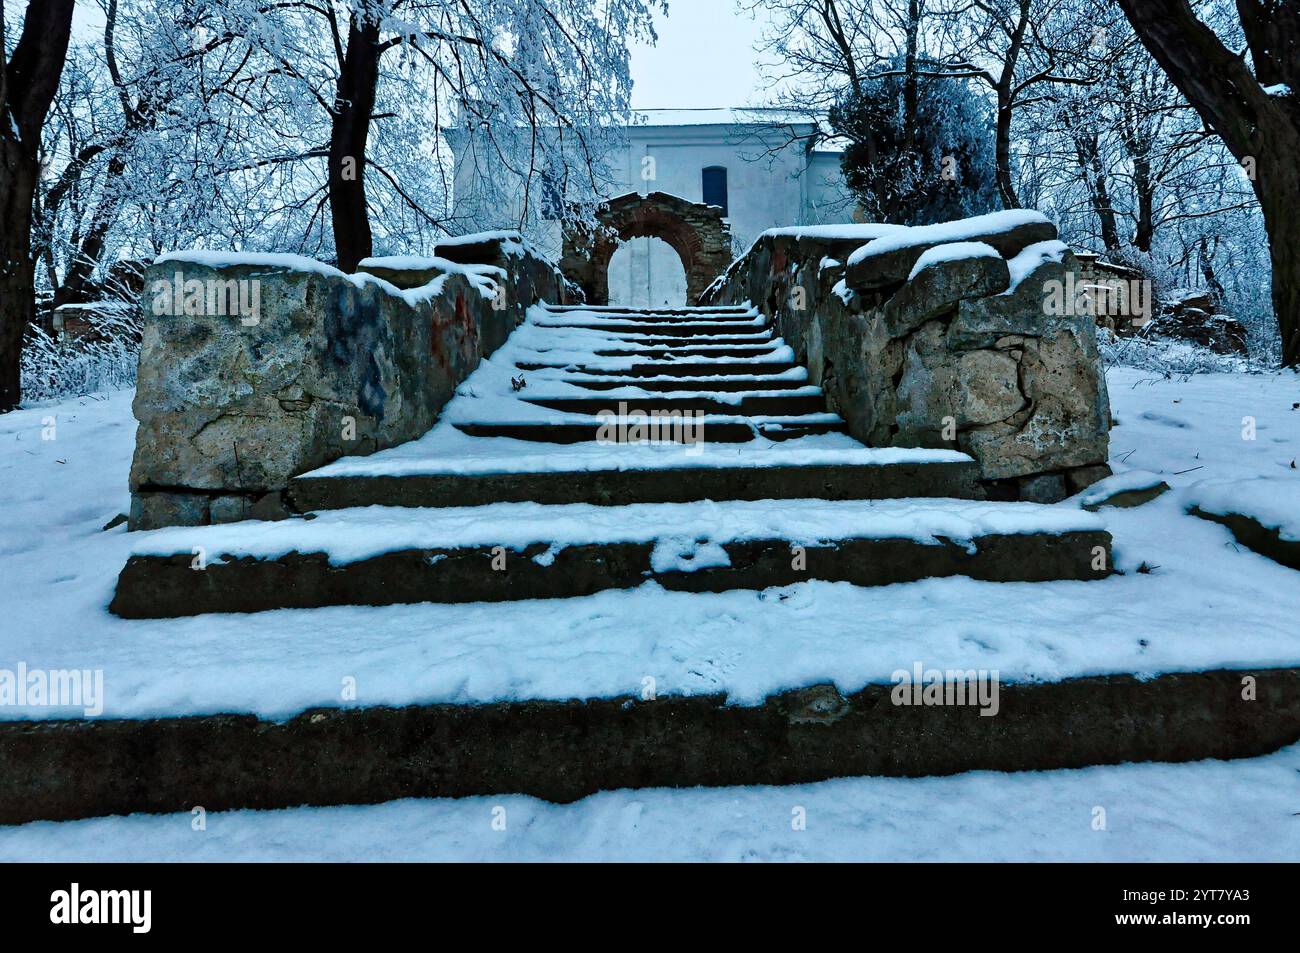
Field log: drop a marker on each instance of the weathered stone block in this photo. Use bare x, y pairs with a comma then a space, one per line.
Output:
230, 509
1081, 478
1044, 488
323, 365
1021, 380
891, 267
986, 388
939, 287
152, 510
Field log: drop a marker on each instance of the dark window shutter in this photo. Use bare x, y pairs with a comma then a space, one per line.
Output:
715, 187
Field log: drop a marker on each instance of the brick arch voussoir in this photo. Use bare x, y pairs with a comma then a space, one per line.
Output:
695, 232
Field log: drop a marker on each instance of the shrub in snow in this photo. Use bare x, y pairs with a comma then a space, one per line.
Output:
1169, 357
64, 366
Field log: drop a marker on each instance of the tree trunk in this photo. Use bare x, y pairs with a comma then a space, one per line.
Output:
1145, 188
27, 86
1006, 103
1281, 203
1262, 129
353, 107
1002, 155
1206, 260
18, 173
1088, 149
911, 94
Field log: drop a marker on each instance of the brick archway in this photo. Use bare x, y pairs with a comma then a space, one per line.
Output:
696, 232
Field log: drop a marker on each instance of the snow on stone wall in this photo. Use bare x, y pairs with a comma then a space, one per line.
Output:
254, 369
943, 336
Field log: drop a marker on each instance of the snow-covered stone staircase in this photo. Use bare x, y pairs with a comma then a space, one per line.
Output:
603, 448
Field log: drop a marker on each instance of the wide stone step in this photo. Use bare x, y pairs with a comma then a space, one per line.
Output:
65, 770
675, 353
665, 328
666, 483
603, 309
761, 405
390, 556
761, 338
677, 369
653, 313
666, 430
691, 385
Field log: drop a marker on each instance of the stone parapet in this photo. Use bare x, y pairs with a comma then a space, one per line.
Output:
957, 336
254, 369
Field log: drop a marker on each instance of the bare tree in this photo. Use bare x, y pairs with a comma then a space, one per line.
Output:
1255, 111
555, 70
28, 81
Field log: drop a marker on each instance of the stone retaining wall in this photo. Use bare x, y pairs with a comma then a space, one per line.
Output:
254, 369
974, 352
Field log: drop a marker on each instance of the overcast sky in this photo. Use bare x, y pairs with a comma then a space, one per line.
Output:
705, 57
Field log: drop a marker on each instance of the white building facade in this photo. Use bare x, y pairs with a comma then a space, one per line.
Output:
762, 166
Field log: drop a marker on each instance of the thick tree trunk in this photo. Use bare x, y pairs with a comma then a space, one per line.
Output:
1281, 203
27, 85
18, 173
1260, 126
354, 105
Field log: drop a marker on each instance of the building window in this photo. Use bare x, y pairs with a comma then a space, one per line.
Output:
715, 187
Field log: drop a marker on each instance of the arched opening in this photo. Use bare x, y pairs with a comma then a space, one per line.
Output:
698, 234
647, 272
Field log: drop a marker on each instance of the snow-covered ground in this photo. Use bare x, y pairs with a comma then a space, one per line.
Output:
1233, 811
1207, 603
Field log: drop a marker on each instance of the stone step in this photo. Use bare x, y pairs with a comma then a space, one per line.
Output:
702, 369
504, 552
689, 384
723, 431
669, 353
693, 329
65, 770
603, 309
762, 339
661, 319
752, 405
727, 313
670, 482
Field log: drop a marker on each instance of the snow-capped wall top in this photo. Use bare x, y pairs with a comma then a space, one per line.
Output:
953, 251
1029, 260
963, 230
847, 232
1130, 481
474, 238
233, 259
512, 242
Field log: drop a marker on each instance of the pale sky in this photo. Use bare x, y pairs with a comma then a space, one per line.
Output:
705, 58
